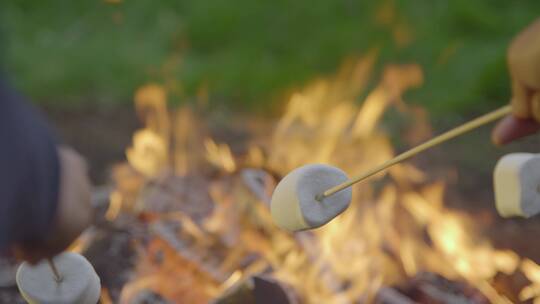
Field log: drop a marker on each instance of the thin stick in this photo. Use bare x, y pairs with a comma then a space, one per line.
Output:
464, 128
57, 276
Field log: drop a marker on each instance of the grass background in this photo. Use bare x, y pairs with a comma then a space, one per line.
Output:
245, 52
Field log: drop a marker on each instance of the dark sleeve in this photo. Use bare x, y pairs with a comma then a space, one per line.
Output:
29, 171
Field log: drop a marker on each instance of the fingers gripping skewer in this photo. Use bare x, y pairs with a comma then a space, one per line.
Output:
464, 128
300, 202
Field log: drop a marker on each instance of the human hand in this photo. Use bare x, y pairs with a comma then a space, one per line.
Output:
74, 212
524, 67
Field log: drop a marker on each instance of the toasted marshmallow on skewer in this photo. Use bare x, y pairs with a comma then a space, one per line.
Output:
517, 185
78, 284
294, 205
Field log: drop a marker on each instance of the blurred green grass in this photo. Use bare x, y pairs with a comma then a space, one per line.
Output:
247, 52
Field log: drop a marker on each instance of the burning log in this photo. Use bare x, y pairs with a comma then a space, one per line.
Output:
162, 270
432, 288
205, 263
260, 183
149, 297
258, 290
389, 295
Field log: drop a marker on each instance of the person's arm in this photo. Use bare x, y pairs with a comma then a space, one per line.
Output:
44, 190
524, 67
29, 172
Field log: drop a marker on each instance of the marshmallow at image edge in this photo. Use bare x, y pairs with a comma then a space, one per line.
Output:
517, 182
80, 284
293, 204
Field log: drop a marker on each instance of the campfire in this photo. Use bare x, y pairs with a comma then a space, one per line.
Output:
203, 230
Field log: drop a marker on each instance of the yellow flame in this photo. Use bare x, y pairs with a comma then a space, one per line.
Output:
220, 155
149, 153
388, 234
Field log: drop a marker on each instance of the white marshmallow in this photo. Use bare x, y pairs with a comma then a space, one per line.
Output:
517, 182
79, 285
293, 204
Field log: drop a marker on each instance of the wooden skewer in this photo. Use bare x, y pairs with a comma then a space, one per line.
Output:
464, 128
57, 276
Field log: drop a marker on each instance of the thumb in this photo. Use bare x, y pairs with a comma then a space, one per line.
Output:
512, 128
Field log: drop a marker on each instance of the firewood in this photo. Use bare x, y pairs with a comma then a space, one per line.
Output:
432, 288
389, 295
258, 290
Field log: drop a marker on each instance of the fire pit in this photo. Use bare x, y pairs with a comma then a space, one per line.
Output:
187, 219
204, 232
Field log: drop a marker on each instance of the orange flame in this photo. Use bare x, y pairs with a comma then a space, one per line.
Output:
388, 234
